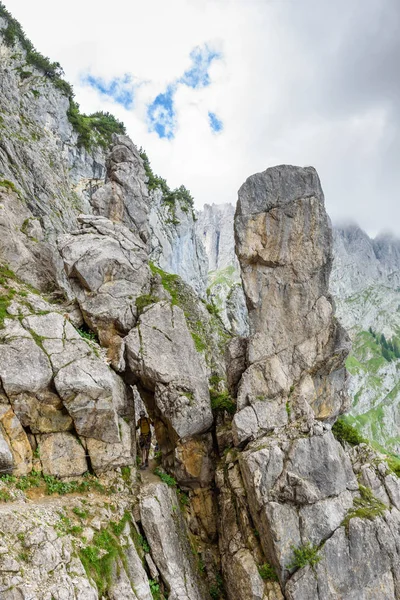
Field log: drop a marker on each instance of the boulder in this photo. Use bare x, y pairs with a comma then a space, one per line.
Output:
105, 456
161, 353
108, 265
13, 437
61, 455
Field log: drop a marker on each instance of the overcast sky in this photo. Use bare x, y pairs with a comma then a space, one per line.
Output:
216, 90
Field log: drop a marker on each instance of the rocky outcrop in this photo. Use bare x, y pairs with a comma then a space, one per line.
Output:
254, 497
108, 269
296, 349
56, 387
161, 353
124, 197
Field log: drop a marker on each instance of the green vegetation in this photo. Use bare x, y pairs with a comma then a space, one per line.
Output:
344, 432
99, 557
221, 400
170, 197
390, 348
212, 309
155, 589
51, 70
288, 410
141, 542
126, 474
304, 555
5, 496
94, 129
82, 514
87, 333
145, 300
217, 591
393, 462
8, 185
52, 485
267, 572
365, 507
178, 291
170, 481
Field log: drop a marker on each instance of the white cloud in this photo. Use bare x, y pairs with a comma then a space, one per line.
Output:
283, 89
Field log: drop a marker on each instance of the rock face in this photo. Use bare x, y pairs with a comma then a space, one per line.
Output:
365, 281
166, 532
162, 354
214, 226
176, 246
124, 198
284, 245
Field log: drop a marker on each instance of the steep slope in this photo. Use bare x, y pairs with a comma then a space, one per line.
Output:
365, 283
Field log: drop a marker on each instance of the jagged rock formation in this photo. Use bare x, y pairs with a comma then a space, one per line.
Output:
250, 474
365, 285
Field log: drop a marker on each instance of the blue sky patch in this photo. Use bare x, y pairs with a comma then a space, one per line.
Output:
197, 75
161, 114
215, 123
120, 89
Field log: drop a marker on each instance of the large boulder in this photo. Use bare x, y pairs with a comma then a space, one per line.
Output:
61, 455
107, 266
124, 198
161, 353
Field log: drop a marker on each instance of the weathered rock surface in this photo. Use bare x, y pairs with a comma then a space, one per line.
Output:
284, 245
175, 244
124, 197
167, 536
108, 265
162, 355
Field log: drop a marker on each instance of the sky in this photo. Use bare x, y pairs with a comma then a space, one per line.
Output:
216, 90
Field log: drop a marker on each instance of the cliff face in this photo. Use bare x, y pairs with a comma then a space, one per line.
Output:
214, 227
253, 497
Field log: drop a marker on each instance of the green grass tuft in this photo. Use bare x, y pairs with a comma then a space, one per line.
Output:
364, 507
145, 300
304, 555
267, 572
221, 401
170, 481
